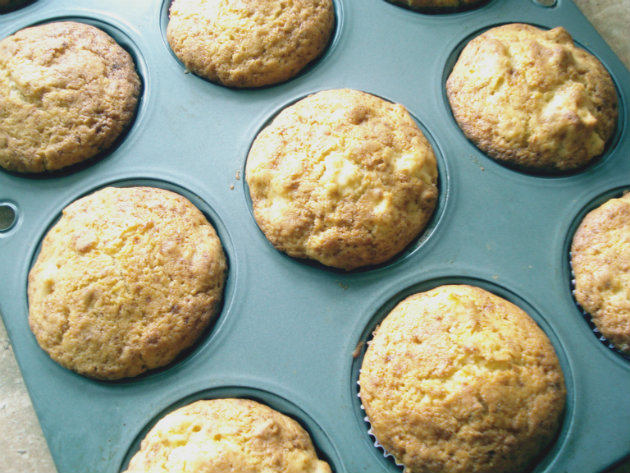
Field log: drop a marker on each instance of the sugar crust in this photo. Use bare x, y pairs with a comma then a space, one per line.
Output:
600, 259
249, 43
458, 379
125, 281
67, 92
227, 435
342, 177
532, 99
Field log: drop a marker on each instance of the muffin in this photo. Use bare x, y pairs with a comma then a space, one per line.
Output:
67, 92
125, 281
249, 44
458, 379
438, 5
227, 435
531, 99
343, 178
600, 258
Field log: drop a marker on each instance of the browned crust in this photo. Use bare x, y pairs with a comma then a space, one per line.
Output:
600, 259
67, 92
227, 435
458, 379
249, 44
126, 280
532, 99
342, 177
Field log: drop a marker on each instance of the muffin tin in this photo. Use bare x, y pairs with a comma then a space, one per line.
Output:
291, 333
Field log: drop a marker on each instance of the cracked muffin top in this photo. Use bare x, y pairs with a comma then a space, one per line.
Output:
600, 259
227, 435
249, 43
458, 379
124, 281
531, 99
342, 177
67, 92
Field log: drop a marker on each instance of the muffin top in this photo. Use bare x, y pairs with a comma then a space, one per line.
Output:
458, 379
249, 43
227, 435
531, 99
126, 280
67, 92
600, 258
343, 178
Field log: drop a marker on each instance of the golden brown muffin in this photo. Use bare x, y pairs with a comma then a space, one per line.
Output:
126, 280
458, 379
429, 5
249, 43
600, 258
67, 91
342, 177
227, 436
531, 99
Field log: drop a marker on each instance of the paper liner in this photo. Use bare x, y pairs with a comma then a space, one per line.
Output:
589, 318
371, 433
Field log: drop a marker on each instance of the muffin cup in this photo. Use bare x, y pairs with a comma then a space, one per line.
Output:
546, 456
593, 204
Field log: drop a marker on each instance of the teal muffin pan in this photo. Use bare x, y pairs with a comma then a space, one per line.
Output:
291, 333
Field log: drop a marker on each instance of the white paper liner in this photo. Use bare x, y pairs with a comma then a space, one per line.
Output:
370, 431
589, 318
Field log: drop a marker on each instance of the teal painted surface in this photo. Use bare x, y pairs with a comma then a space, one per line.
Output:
288, 329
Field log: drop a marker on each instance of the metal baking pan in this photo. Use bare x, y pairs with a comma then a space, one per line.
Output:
291, 333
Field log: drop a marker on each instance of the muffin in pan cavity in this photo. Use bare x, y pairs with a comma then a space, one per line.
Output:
125, 281
227, 435
429, 6
342, 177
459, 379
249, 43
600, 261
533, 100
67, 93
